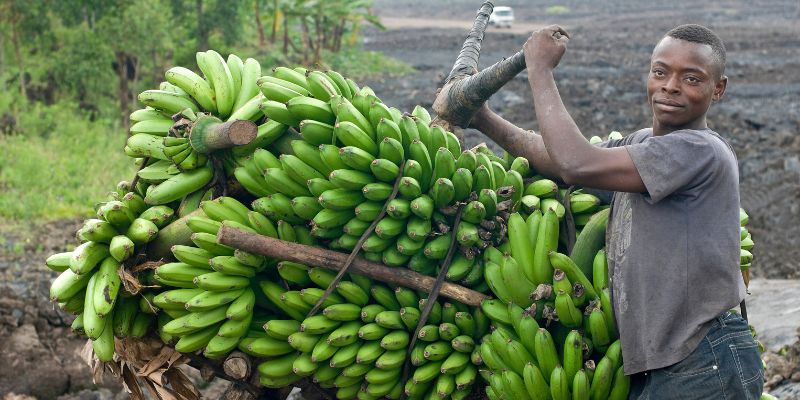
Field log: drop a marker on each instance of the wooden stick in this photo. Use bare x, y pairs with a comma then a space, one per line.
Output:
328, 259
237, 365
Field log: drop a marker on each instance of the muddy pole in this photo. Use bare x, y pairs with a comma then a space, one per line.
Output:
328, 259
466, 89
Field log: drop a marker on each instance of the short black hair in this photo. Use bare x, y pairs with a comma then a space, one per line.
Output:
700, 34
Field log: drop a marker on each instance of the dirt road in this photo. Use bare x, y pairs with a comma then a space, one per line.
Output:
462, 25
601, 79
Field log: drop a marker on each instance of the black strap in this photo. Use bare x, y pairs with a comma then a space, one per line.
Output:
568, 222
360, 242
744, 310
434, 294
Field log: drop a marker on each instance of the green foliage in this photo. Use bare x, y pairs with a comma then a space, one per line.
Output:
360, 64
57, 163
81, 64
557, 10
70, 72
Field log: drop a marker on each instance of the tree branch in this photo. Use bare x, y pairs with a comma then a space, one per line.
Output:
314, 256
467, 61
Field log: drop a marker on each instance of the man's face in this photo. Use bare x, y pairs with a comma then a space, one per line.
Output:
682, 82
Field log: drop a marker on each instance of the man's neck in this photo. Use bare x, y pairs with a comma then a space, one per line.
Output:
661, 130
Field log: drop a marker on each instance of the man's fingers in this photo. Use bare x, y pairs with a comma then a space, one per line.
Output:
555, 31
552, 28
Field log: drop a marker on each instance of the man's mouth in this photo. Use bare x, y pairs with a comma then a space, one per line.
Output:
667, 104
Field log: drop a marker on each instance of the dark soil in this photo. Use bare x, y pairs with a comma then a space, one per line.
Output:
601, 79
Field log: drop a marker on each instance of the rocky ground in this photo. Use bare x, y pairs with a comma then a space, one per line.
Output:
601, 79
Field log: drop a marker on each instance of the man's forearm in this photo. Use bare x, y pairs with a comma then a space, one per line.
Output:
564, 142
517, 142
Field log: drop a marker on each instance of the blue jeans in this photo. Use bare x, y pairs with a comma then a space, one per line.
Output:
726, 365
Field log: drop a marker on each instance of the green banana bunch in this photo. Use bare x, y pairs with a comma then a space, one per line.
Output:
213, 302
89, 283
550, 363
358, 342
324, 187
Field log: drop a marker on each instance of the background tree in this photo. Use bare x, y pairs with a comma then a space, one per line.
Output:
102, 53
22, 22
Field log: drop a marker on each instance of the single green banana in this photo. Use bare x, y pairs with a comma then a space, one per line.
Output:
167, 102
87, 256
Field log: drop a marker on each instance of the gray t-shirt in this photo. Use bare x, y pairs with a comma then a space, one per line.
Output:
673, 252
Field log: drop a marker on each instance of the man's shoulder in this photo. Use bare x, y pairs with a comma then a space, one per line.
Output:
723, 149
639, 136
632, 138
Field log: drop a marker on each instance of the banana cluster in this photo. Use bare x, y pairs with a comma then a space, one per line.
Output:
359, 343
89, 284
746, 256
162, 132
351, 153
211, 296
575, 354
220, 299
328, 158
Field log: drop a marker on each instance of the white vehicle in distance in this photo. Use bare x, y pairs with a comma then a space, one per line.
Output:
502, 16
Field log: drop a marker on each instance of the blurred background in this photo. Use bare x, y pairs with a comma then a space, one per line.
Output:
70, 72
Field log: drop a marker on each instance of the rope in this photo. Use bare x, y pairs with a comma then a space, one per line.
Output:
434, 294
357, 248
568, 223
135, 179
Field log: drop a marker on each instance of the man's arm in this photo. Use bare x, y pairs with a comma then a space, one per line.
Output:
515, 140
575, 160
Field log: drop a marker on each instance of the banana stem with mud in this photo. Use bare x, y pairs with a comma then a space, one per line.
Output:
210, 133
465, 90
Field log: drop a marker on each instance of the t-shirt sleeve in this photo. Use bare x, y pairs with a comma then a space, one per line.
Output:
615, 142
606, 195
673, 162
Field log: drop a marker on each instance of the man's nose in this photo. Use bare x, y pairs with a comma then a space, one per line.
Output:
672, 85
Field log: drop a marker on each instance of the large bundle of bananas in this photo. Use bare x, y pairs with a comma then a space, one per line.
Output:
329, 158
90, 285
353, 152
223, 298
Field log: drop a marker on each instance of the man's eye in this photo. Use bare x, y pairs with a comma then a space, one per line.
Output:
692, 79
658, 72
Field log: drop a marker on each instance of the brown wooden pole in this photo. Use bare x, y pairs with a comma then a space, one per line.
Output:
328, 259
467, 61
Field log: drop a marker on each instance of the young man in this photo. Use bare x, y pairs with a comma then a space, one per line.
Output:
673, 236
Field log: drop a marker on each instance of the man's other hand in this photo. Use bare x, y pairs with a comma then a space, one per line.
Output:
544, 49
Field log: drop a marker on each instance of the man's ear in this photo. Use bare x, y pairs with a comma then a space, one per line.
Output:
719, 88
